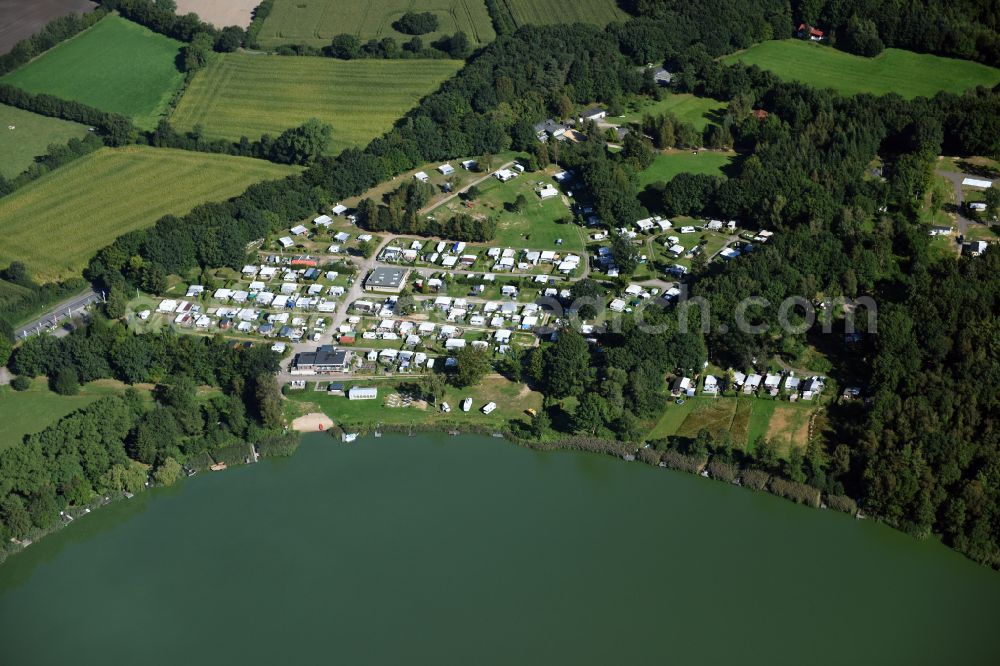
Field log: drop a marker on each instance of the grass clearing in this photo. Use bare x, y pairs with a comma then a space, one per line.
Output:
316, 22
56, 223
26, 412
789, 426
541, 12
31, 137
536, 226
894, 70
116, 66
240, 94
512, 402
715, 415
699, 111
669, 163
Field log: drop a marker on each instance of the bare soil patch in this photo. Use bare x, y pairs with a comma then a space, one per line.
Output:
20, 19
220, 13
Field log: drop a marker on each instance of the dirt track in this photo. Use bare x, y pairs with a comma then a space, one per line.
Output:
20, 19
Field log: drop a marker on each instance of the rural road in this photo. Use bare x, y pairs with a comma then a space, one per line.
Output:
59, 312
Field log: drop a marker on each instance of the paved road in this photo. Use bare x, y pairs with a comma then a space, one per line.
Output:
64, 310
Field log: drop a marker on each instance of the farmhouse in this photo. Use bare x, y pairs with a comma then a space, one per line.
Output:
809, 32
388, 280
549, 127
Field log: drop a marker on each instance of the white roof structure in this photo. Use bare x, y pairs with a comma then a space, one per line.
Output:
323, 221
286, 241
977, 182
421, 176
298, 230
548, 191
446, 169
339, 209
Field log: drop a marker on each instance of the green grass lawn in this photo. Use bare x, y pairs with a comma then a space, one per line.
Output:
114, 66
26, 412
533, 227
903, 72
760, 417
669, 163
241, 94
31, 137
687, 108
598, 12
315, 22
56, 223
512, 401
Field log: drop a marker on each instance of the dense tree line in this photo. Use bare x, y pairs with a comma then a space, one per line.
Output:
55, 31
115, 129
260, 12
932, 443
297, 145
161, 16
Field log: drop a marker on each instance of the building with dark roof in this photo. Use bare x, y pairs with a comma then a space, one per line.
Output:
325, 359
387, 279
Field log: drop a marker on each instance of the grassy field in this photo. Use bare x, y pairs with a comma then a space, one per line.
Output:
31, 411
598, 12
114, 66
789, 426
669, 163
533, 227
241, 94
512, 401
30, 137
56, 223
903, 72
315, 22
698, 111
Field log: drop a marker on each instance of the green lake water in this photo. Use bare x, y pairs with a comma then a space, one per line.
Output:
469, 550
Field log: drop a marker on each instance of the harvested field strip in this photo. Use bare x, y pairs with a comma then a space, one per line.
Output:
251, 95
56, 223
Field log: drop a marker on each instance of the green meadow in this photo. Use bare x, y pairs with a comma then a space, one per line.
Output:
598, 12
905, 73
669, 163
115, 66
685, 107
56, 223
316, 22
249, 95
25, 135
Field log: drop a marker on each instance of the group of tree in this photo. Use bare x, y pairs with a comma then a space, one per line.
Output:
400, 213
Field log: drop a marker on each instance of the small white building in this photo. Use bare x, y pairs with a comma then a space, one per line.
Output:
362, 393
446, 169
421, 176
